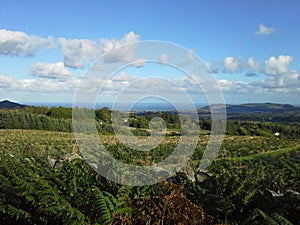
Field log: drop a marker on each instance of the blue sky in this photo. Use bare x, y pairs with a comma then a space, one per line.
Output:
252, 47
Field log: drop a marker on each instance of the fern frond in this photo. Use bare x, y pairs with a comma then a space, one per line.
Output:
103, 205
260, 216
249, 196
17, 213
280, 219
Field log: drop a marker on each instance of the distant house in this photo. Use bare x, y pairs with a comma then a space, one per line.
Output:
277, 134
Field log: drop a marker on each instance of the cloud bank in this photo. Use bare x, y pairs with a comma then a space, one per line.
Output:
17, 43
271, 76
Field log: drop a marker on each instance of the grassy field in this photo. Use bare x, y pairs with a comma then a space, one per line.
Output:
56, 144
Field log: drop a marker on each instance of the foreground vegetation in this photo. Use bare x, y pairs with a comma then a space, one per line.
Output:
255, 180
44, 180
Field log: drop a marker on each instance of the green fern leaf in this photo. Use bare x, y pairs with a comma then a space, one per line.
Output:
280, 219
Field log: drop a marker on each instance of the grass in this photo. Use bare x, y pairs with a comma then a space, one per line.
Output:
43, 143
55, 144
267, 154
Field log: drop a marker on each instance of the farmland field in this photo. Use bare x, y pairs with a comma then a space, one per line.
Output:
56, 144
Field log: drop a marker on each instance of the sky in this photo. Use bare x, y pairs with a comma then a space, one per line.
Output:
49, 48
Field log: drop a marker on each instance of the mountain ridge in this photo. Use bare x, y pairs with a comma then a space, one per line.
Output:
254, 108
267, 107
6, 104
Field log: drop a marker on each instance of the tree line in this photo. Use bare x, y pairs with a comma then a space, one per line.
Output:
60, 119
23, 120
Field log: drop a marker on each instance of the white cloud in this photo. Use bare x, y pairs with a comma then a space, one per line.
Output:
264, 30
103, 86
110, 44
280, 79
251, 65
97, 66
42, 85
234, 86
198, 84
79, 52
190, 55
16, 43
139, 63
286, 83
289, 81
213, 67
6, 82
124, 77
153, 85
234, 64
50, 70
189, 58
231, 64
119, 50
164, 58
277, 66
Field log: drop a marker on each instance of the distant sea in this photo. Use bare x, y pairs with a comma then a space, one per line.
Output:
141, 106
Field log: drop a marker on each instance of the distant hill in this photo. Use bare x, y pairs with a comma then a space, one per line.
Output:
256, 108
11, 105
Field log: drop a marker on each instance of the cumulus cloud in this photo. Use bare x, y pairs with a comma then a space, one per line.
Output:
289, 81
79, 52
234, 86
46, 85
16, 43
251, 65
124, 77
231, 64
97, 66
119, 50
164, 58
234, 64
153, 85
50, 70
189, 58
264, 30
110, 44
106, 86
6, 82
139, 63
42, 85
280, 78
277, 66
190, 55
286, 83
213, 67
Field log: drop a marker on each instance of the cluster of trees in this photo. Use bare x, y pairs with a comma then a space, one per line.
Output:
141, 120
55, 112
22, 120
238, 127
59, 119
